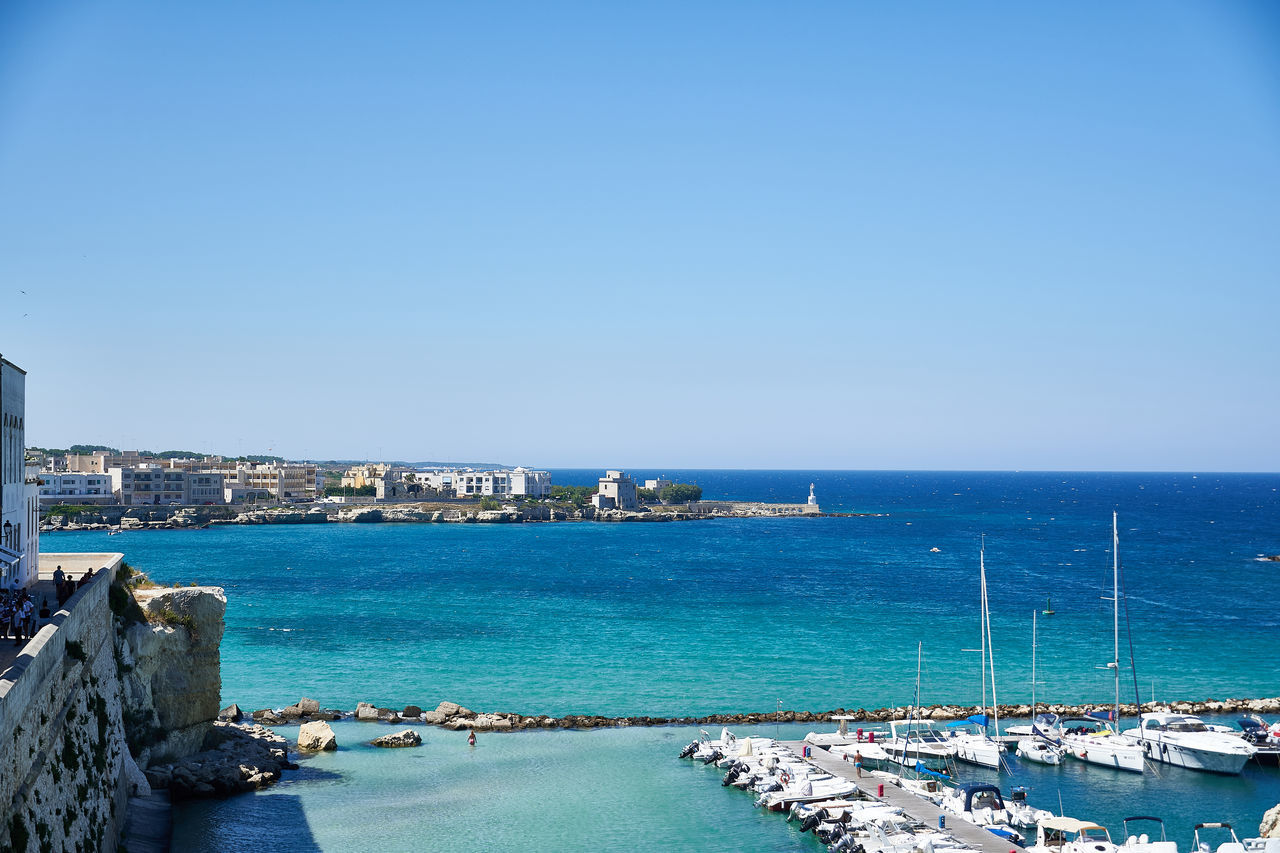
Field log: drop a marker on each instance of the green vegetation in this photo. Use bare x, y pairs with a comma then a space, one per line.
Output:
678, 493
174, 620
124, 606
69, 510
350, 491
75, 650
489, 504
577, 495
646, 495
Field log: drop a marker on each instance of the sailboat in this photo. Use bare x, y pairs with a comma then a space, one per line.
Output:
1038, 748
973, 744
1095, 737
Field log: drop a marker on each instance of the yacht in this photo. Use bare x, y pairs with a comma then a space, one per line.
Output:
1092, 739
917, 740
1185, 741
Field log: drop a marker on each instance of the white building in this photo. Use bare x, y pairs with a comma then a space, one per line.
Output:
617, 491
534, 484
73, 488
521, 482
657, 485
19, 484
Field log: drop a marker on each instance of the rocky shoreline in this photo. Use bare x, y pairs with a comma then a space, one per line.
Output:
450, 715
198, 518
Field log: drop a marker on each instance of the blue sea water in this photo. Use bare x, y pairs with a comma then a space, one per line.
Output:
732, 615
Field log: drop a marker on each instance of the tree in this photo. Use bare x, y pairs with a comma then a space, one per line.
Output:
678, 493
647, 495
489, 504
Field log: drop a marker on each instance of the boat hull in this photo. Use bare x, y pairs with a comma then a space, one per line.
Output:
1206, 761
1105, 754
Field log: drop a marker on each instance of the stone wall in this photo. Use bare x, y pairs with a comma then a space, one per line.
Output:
62, 747
86, 690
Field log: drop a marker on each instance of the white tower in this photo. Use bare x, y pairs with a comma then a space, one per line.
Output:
813, 501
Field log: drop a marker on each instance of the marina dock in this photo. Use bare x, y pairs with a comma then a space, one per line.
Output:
922, 810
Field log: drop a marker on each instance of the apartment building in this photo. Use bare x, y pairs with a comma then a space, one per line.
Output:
19, 484
74, 488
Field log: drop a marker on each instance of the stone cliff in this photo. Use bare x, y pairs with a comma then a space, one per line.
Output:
171, 672
106, 682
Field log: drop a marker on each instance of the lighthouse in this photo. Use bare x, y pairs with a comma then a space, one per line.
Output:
812, 504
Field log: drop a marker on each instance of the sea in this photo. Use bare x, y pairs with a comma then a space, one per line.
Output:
724, 616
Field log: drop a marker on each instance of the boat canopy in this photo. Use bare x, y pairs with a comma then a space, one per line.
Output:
1109, 716
921, 768
974, 719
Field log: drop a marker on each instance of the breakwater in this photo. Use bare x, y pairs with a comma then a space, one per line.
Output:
450, 715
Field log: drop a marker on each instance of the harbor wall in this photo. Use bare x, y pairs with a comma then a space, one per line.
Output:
62, 746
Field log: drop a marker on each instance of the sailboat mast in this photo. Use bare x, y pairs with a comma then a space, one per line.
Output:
1033, 664
991, 653
1115, 599
982, 650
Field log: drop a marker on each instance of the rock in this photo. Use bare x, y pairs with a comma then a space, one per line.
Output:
411, 711
1270, 827
435, 718
231, 714
292, 712
449, 709
308, 706
408, 737
317, 736
366, 713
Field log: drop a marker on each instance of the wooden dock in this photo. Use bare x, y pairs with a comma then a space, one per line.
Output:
922, 810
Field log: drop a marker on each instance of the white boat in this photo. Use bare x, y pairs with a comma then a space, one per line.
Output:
982, 805
1096, 737
1040, 751
974, 745
1185, 741
1142, 842
1033, 747
842, 736
1093, 740
971, 740
1235, 845
1068, 835
804, 789
914, 740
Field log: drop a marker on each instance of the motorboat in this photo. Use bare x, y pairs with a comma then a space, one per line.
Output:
1069, 835
1235, 845
982, 805
842, 736
1142, 842
1265, 738
1091, 738
918, 740
811, 788
1185, 741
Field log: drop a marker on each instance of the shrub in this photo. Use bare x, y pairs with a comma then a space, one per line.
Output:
678, 493
75, 650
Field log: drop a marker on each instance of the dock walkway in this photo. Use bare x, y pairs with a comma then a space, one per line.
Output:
922, 810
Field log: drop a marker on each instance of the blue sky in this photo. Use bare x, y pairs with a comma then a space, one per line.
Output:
827, 235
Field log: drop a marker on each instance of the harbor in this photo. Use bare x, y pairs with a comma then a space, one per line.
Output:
850, 801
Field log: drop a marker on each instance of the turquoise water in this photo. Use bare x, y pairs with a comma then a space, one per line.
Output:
735, 615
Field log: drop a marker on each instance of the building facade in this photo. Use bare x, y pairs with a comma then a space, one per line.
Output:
616, 491
19, 483
520, 482
75, 488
